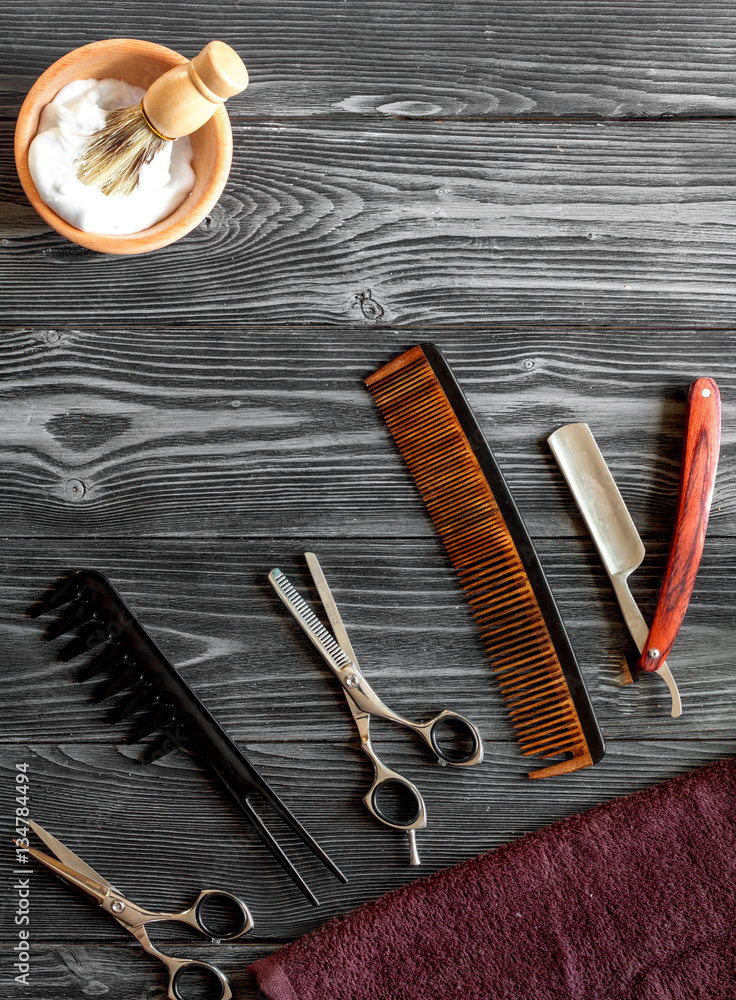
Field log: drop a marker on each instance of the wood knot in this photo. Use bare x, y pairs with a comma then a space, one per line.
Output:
371, 309
75, 490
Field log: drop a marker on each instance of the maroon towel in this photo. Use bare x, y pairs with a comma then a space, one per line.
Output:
633, 900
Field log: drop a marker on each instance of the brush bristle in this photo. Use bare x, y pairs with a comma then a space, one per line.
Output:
114, 156
476, 537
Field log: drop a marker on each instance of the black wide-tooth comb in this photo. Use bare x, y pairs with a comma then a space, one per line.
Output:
91, 604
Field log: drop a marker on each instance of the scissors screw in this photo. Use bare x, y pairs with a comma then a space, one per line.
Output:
117, 906
351, 681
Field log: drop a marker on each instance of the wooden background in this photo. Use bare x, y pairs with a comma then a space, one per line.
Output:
547, 193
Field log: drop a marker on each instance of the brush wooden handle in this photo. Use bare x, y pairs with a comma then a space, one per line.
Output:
187, 96
697, 478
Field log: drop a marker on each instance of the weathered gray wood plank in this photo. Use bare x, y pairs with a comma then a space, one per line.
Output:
68, 970
429, 59
207, 603
188, 458
442, 223
163, 833
271, 432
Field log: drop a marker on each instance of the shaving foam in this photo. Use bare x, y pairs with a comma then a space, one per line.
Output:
76, 113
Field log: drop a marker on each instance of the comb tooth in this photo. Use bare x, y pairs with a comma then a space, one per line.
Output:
554, 741
129, 677
514, 648
500, 620
547, 742
552, 751
79, 614
522, 688
536, 706
538, 711
162, 718
533, 730
72, 589
90, 636
481, 577
525, 628
551, 746
538, 725
169, 742
508, 669
543, 727
143, 698
111, 658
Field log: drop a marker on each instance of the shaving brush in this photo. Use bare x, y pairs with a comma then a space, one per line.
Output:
176, 104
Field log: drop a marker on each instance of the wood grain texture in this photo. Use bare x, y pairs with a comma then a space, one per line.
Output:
68, 970
187, 420
271, 432
209, 606
416, 224
426, 59
160, 835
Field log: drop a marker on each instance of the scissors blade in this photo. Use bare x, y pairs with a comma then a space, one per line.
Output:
362, 699
89, 886
67, 857
328, 603
335, 619
321, 638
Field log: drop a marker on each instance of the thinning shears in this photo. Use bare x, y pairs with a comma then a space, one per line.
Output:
134, 918
392, 798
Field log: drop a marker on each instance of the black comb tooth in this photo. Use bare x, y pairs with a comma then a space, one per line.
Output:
129, 677
78, 614
111, 658
90, 636
162, 718
168, 742
72, 589
143, 698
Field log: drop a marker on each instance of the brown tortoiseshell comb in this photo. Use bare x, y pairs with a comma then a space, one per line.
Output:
493, 556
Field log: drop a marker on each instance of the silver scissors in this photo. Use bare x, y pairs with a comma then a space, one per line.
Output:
134, 918
403, 806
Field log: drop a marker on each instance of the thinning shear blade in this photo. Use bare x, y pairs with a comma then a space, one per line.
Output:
338, 653
331, 609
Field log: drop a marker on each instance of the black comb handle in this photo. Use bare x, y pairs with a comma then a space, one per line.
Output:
187, 721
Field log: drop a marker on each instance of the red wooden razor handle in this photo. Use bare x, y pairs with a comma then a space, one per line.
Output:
697, 477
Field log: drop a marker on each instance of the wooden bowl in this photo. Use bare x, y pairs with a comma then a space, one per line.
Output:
138, 63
